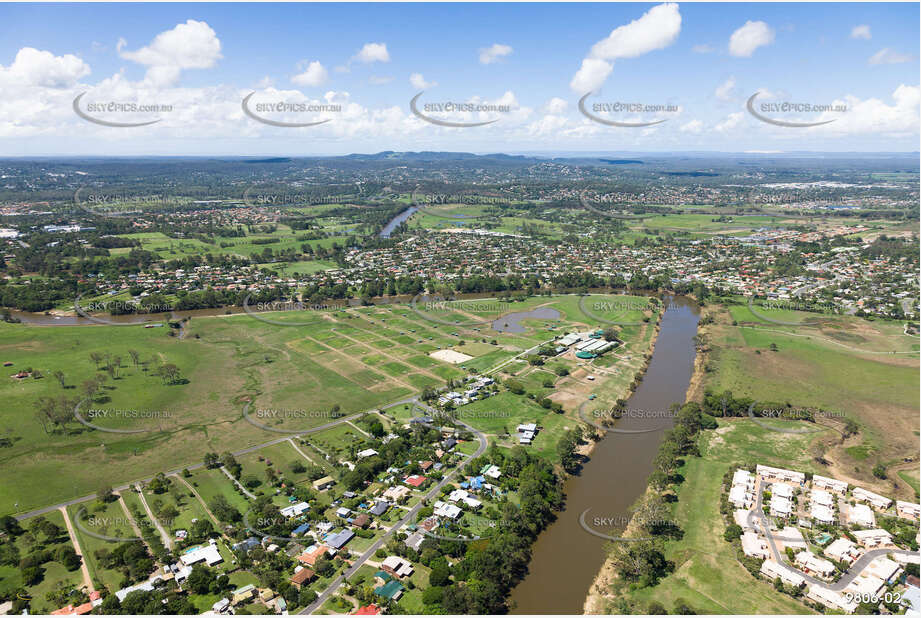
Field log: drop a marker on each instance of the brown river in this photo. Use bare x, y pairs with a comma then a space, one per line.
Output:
566, 558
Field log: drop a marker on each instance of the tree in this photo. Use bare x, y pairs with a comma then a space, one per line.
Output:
733, 531
199, 580
879, 471
105, 494
59, 376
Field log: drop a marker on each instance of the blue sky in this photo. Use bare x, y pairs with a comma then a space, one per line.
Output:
202, 59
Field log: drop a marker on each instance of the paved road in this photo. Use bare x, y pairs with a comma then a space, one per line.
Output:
756, 518
410, 516
196, 466
245, 491
84, 569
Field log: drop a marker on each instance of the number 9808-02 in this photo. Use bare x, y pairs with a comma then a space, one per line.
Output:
866, 597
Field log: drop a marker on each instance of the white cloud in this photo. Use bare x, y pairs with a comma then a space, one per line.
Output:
876, 117
861, 32
888, 56
490, 54
373, 52
702, 48
418, 82
656, 29
556, 105
748, 38
731, 122
380, 80
33, 67
590, 75
315, 75
695, 127
192, 45
724, 90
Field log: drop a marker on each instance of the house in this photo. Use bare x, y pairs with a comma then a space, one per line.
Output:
791, 537
868, 586
822, 514
294, 510
313, 553
908, 510
244, 594
380, 507
739, 497
779, 474
425, 465
831, 599
883, 568
300, 530
361, 521
397, 493
146, 586
323, 483
492, 471
414, 540
396, 566
877, 501
813, 564
449, 444
343, 512
772, 570
741, 518
781, 506
219, 607
876, 537
368, 452
755, 546
443, 509
70, 610
414, 480
368, 610
338, 540
861, 515
823, 482
208, 553
246, 544
842, 550
302, 577
391, 590
822, 497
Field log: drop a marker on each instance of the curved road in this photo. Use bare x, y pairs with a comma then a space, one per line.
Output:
410, 516
756, 519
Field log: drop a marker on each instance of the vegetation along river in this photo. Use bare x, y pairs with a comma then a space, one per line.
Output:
566, 558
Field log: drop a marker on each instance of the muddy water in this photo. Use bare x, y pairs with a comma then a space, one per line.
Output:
566, 558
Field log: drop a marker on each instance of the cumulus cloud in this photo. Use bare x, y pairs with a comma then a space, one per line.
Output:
556, 105
724, 90
888, 56
656, 29
372, 52
418, 82
748, 38
491, 54
192, 45
33, 67
694, 127
315, 75
861, 32
731, 122
876, 117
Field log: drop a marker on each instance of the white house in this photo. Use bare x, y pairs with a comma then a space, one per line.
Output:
883, 568
773, 570
822, 497
813, 564
780, 474
831, 599
368, 452
443, 509
822, 514
862, 515
208, 553
780, 506
823, 482
908, 510
294, 510
791, 537
842, 550
876, 500
754, 546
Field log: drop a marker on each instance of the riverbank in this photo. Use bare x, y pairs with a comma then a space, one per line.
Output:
567, 556
596, 600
